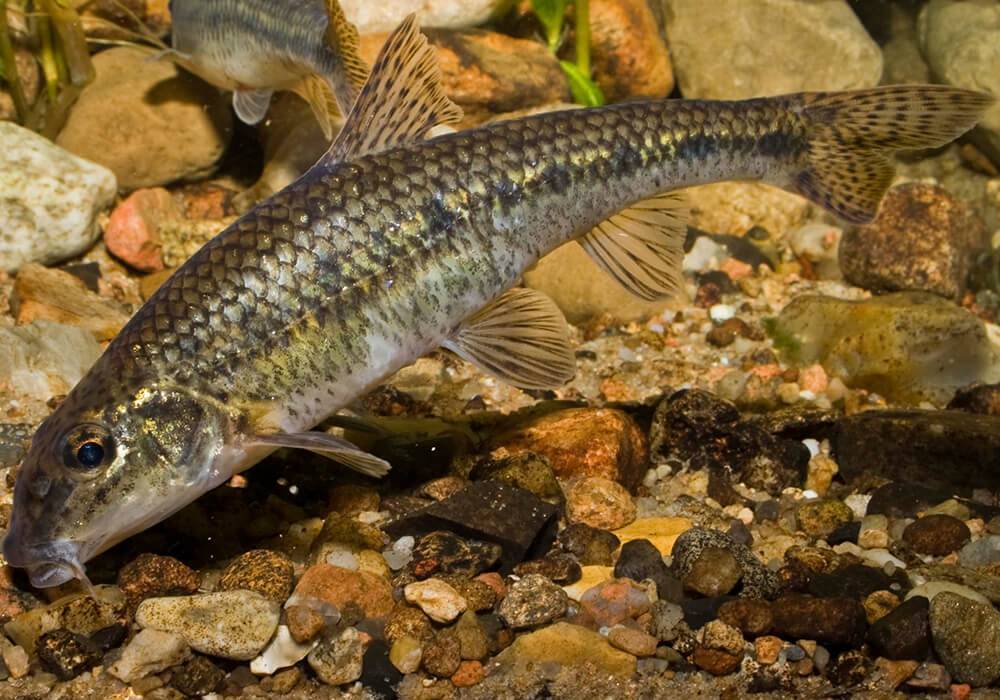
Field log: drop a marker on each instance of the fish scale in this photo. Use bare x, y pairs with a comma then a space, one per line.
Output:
393, 245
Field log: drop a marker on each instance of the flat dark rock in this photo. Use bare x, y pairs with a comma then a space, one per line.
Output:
521, 523
949, 449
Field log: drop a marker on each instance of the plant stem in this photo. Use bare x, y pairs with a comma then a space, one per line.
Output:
583, 36
8, 59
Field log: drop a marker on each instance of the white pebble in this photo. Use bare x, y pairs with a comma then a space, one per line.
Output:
663, 471
812, 444
649, 480
807, 395
404, 545
343, 558
809, 494
858, 503
721, 312
881, 557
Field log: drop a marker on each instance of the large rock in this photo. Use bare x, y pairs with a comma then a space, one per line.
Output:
568, 645
50, 199
923, 239
961, 41
629, 56
736, 207
386, 16
734, 49
45, 359
486, 73
129, 120
966, 636
907, 346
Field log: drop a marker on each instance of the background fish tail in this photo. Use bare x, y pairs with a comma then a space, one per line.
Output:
852, 135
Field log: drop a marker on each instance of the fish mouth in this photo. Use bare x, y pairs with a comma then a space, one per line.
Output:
48, 563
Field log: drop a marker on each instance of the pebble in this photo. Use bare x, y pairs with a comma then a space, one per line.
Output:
966, 636
282, 652
615, 601
406, 654
936, 535
16, 659
442, 656
903, 633
839, 621
981, 552
155, 576
931, 589
718, 635
559, 568
340, 587
752, 617
150, 651
232, 624
527, 470
718, 663
304, 623
600, 503
437, 599
262, 570
197, 677
564, 644
478, 594
767, 649
41, 293
634, 641
590, 545
874, 532
66, 654
142, 149
471, 637
878, 604
533, 600
665, 620
930, 676
469, 673
407, 621
640, 560
51, 199
131, 233
714, 573
821, 517
338, 660
757, 580
578, 442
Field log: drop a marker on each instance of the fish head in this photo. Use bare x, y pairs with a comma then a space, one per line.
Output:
100, 469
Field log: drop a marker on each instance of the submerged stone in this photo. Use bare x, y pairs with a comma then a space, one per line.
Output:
908, 346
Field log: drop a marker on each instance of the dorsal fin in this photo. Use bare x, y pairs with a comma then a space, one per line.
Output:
351, 72
401, 100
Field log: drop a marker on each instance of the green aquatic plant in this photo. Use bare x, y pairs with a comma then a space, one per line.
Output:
552, 13
53, 31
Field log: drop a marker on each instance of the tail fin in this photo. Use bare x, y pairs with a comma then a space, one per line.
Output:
852, 136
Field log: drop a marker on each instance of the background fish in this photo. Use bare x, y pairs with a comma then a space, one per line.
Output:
391, 246
255, 47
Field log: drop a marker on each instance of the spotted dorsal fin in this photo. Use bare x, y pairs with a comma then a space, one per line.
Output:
351, 73
401, 100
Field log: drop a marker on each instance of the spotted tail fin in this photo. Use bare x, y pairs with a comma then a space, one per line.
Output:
852, 136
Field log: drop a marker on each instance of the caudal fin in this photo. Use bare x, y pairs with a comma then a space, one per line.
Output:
852, 136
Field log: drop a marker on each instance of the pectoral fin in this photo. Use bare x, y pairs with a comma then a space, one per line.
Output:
329, 446
317, 92
520, 338
350, 74
401, 100
251, 105
643, 246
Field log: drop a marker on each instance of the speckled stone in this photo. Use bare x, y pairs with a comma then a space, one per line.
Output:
408, 621
66, 654
757, 580
338, 660
966, 637
601, 503
442, 656
262, 570
820, 517
232, 624
532, 601
590, 545
155, 576
936, 535
199, 676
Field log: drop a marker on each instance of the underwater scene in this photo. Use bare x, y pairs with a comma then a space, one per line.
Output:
475, 349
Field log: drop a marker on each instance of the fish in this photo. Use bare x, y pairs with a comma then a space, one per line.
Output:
394, 244
256, 47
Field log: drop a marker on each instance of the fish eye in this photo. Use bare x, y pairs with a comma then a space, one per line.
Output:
87, 447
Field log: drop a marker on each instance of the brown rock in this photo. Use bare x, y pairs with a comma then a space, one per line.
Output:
629, 57
469, 673
634, 641
155, 576
600, 503
407, 621
262, 570
341, 587
839, 621
936, 535
600, 442
767, 648
752, 617
132, 233
486, 73
54, 295
304, 623
350, 499
718, 663
442, 656
922, 239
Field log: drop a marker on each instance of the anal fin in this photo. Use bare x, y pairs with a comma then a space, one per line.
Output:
251, 105
329, 446
520, 338
642, 246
